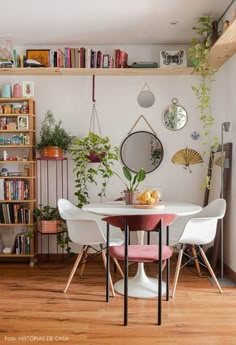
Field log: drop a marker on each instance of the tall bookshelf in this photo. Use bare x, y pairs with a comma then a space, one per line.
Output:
17, 178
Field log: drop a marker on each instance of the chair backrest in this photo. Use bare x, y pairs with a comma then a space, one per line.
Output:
201, 228
81, 229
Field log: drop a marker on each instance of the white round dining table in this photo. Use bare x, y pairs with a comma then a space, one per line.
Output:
141, 286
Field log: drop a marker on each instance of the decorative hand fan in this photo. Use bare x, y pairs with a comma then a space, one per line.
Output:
187, 157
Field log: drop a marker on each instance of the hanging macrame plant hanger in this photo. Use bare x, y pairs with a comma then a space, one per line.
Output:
94, 126
94, 120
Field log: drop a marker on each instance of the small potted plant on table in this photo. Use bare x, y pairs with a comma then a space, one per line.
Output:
132, 186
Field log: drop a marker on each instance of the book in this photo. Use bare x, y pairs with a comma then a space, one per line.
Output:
144, 65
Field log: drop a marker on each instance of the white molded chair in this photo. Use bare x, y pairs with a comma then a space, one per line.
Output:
199, 230
85, 229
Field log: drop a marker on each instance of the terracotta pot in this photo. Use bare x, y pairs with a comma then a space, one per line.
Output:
95, 158
51, 152
49, 226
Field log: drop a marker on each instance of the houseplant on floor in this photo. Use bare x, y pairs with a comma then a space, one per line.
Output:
199, 54
54, 139
87, 173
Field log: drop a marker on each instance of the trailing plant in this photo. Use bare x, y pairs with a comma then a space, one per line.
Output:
199, 54
53, 134
63, 238
46, 212
134, 180
86, 173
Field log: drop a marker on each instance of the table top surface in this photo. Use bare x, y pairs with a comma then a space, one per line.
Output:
118, 208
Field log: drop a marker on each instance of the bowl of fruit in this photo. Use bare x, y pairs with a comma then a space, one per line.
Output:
149, 198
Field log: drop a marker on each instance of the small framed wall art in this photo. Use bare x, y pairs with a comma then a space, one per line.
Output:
42, 56
28, 89
173, 58
23, 122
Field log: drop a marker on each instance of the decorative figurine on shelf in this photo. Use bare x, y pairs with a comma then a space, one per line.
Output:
25, 158
7, 109
5, 155
6, 250
4, 172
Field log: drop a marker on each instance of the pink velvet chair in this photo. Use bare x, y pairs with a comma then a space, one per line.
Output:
140, 253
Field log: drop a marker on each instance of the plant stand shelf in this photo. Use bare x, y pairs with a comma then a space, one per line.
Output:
52, 184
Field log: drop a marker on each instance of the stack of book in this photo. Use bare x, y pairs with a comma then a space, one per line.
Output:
144, 64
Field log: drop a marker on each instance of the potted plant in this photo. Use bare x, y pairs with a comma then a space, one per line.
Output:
199, 54
132, 185
103, 153
54, 139
48, 219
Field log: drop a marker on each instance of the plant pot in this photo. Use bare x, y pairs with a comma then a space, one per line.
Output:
51, 152
130, 197
96, 158
49, 226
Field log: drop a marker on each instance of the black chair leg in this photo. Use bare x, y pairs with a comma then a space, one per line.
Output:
167, 267
160, 275
126, 274
108, 263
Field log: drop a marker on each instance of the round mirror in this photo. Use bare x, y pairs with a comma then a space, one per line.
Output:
175, 117
146, 99
141, 150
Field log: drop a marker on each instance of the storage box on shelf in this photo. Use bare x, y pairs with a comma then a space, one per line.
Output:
17, 176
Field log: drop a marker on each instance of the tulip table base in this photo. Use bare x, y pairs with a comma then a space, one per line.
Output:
140, 286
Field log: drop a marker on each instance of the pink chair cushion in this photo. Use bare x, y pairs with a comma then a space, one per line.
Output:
144, 222
141, 253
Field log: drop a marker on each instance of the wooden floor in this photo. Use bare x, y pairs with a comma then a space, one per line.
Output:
33, 310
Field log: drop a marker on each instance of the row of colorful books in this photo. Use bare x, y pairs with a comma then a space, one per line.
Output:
22, 244
76, 58
14, 214
16, 189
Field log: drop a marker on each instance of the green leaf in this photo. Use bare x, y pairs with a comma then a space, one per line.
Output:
127, 173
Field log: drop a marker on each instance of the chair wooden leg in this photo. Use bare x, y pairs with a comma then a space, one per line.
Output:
210, 269
105, 265
196, 261
167, 279
177, 272
86, 250
118, 267
74, 269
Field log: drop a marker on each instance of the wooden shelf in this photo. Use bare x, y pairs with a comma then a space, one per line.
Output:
221, 51
13, 99
18, 162
15, 224
16, 146
96, 71
17, 201
17, 177
16, 130
16, 255
224, 47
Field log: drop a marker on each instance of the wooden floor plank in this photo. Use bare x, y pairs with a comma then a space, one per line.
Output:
34, 310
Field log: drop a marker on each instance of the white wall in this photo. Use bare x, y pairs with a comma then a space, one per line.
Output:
70, 100
224, 102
